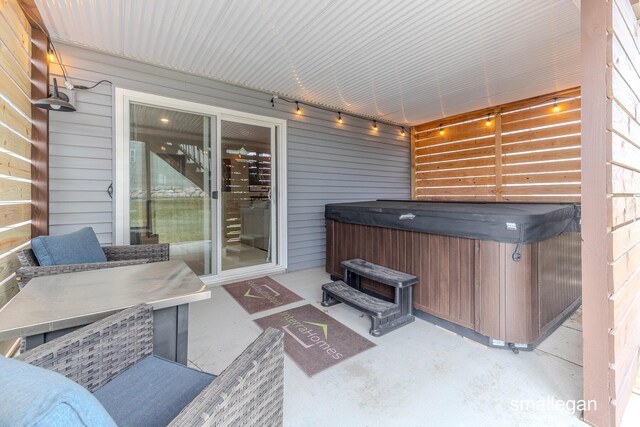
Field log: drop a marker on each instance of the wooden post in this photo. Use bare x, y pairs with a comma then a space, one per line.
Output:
412, 155
39, 135
498, 131
40, 120
595, 19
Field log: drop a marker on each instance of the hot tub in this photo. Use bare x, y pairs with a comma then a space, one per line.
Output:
505, 274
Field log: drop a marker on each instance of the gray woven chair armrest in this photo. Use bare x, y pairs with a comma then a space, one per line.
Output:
249, 392
27, 258
92, 355
154, 253
24, 274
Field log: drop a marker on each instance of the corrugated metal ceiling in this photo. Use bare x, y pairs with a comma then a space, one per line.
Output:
402, 61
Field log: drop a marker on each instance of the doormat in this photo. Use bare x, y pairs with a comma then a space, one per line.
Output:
260, 294
314, 340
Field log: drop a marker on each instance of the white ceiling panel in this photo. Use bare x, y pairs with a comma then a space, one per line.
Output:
401, 61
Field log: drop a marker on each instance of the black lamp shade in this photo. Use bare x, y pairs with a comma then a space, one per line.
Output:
56, 101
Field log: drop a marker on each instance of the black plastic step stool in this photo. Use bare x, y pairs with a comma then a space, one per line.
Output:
385, 316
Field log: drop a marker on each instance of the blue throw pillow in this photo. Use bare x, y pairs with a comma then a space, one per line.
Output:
32, 396
79, 247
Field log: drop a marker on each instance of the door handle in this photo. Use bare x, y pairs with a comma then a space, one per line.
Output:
214, 195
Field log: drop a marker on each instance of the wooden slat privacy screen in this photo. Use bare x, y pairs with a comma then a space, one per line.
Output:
15, 145
523, 151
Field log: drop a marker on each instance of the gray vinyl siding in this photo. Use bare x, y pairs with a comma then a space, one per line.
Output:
327, 162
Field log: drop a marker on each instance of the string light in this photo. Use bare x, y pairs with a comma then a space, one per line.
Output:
556, 107
441, 130
488, 122
51, 57
339, 119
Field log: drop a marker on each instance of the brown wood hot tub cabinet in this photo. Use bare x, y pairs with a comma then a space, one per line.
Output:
472, 283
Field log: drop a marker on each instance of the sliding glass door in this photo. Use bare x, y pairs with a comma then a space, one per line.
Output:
170, 183
204, 180
247, 194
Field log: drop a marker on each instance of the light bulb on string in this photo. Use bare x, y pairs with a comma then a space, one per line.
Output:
339, 118
556, 107
488, 121
441, 130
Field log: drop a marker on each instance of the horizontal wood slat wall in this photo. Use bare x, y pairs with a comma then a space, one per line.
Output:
611, 220
15, 146
621, 140
523, 151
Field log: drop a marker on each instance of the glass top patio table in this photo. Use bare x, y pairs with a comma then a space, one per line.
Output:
52, 303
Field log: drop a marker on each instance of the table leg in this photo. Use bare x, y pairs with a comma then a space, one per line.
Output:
170, 333
33, 341
182, 343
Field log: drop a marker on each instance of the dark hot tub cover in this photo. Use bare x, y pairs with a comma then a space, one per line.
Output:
500, 222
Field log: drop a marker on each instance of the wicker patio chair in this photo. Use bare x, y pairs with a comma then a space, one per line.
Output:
117, 256
248, 392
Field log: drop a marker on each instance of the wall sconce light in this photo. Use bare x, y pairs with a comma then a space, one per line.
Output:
57, 101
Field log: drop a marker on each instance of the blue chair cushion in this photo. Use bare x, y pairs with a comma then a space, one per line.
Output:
79, 247
152, 392
32, 396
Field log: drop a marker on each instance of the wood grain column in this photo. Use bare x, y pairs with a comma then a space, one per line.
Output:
498, 126
412, 155
595, 19
40, 135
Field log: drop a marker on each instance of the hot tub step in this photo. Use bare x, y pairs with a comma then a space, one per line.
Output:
367, 304
378, 273
385, 316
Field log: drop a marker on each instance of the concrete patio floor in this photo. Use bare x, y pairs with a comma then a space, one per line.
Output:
419, 375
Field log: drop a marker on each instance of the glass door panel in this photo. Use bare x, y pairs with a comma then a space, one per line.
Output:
246, 207
170, 183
